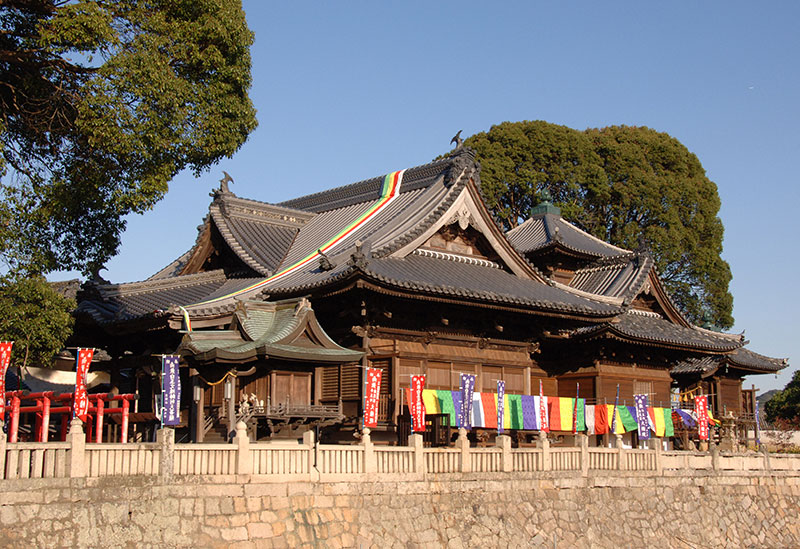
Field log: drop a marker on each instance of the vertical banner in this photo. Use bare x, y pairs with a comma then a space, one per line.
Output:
373, 394
642, 416
575, 412
170, 390
5, 360
501, 408
613, 428
467, 392
544, 425
417, 408
80, 400
701, 411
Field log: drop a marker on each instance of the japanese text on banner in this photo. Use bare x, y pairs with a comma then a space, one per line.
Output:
372, 397
701, 411
171, 391
543, 423
417, 407
501, 392
467, 391
642, 420
80, 401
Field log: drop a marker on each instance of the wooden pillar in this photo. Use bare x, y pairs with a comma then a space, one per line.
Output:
527, 388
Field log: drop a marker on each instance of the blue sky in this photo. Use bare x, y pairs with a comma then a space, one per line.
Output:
351, 90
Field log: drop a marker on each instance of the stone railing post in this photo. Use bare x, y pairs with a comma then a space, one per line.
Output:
462, 443
658, 449
765, 453
622, 461
165, 437
77, 449
507, 460
715, 465
244, 459
415, 441
370, 463
309, 441
544, 445
583, 443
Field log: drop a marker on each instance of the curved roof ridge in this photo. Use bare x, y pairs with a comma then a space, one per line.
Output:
432, 217
130, 288
233, 243
366, 189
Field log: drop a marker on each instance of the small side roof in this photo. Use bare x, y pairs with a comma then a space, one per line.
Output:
645, 327
543, 231
286, 329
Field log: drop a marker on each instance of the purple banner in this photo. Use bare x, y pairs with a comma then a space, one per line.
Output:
171, 390
467, 390
641, 416
501, 407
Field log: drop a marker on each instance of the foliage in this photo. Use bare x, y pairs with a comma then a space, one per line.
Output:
626, 185
35, 317
784, 406
102, 103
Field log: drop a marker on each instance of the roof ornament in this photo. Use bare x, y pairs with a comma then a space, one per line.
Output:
325, 263
457, 140
546, 205
359, 258
223, 185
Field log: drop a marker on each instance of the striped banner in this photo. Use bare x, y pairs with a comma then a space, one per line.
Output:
389, 191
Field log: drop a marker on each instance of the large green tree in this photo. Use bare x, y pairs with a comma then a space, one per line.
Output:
626, 185
784, 406
102, 103
35, 317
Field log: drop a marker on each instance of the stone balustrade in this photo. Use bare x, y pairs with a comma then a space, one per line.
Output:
310, 461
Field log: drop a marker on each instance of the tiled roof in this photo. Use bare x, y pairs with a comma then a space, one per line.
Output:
450, 277
648, 327
622, 276
748, 359
481, 283
741, 357
369, 190
121, 302
701, 365
543, 230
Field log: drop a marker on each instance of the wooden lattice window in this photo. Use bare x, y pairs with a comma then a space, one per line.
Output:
351, 381
330, 382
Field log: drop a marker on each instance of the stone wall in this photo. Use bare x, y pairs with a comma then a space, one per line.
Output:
615, 509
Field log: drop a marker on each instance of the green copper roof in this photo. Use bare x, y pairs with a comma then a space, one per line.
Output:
284, 329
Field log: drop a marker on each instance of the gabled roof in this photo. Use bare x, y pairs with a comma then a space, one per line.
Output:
288, 330
619, 276
547, 230
741, 358
107, 303
644, 327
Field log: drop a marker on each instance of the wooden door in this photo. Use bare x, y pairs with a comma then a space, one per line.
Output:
291, 387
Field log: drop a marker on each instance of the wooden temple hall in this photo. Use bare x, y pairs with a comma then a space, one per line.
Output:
276, 309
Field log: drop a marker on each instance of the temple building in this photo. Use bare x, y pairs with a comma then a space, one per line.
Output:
277, 309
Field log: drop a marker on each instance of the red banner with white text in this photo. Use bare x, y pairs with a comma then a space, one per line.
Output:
80, 401
372, 397
701, 410
5, 360
544, 425
416, 405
